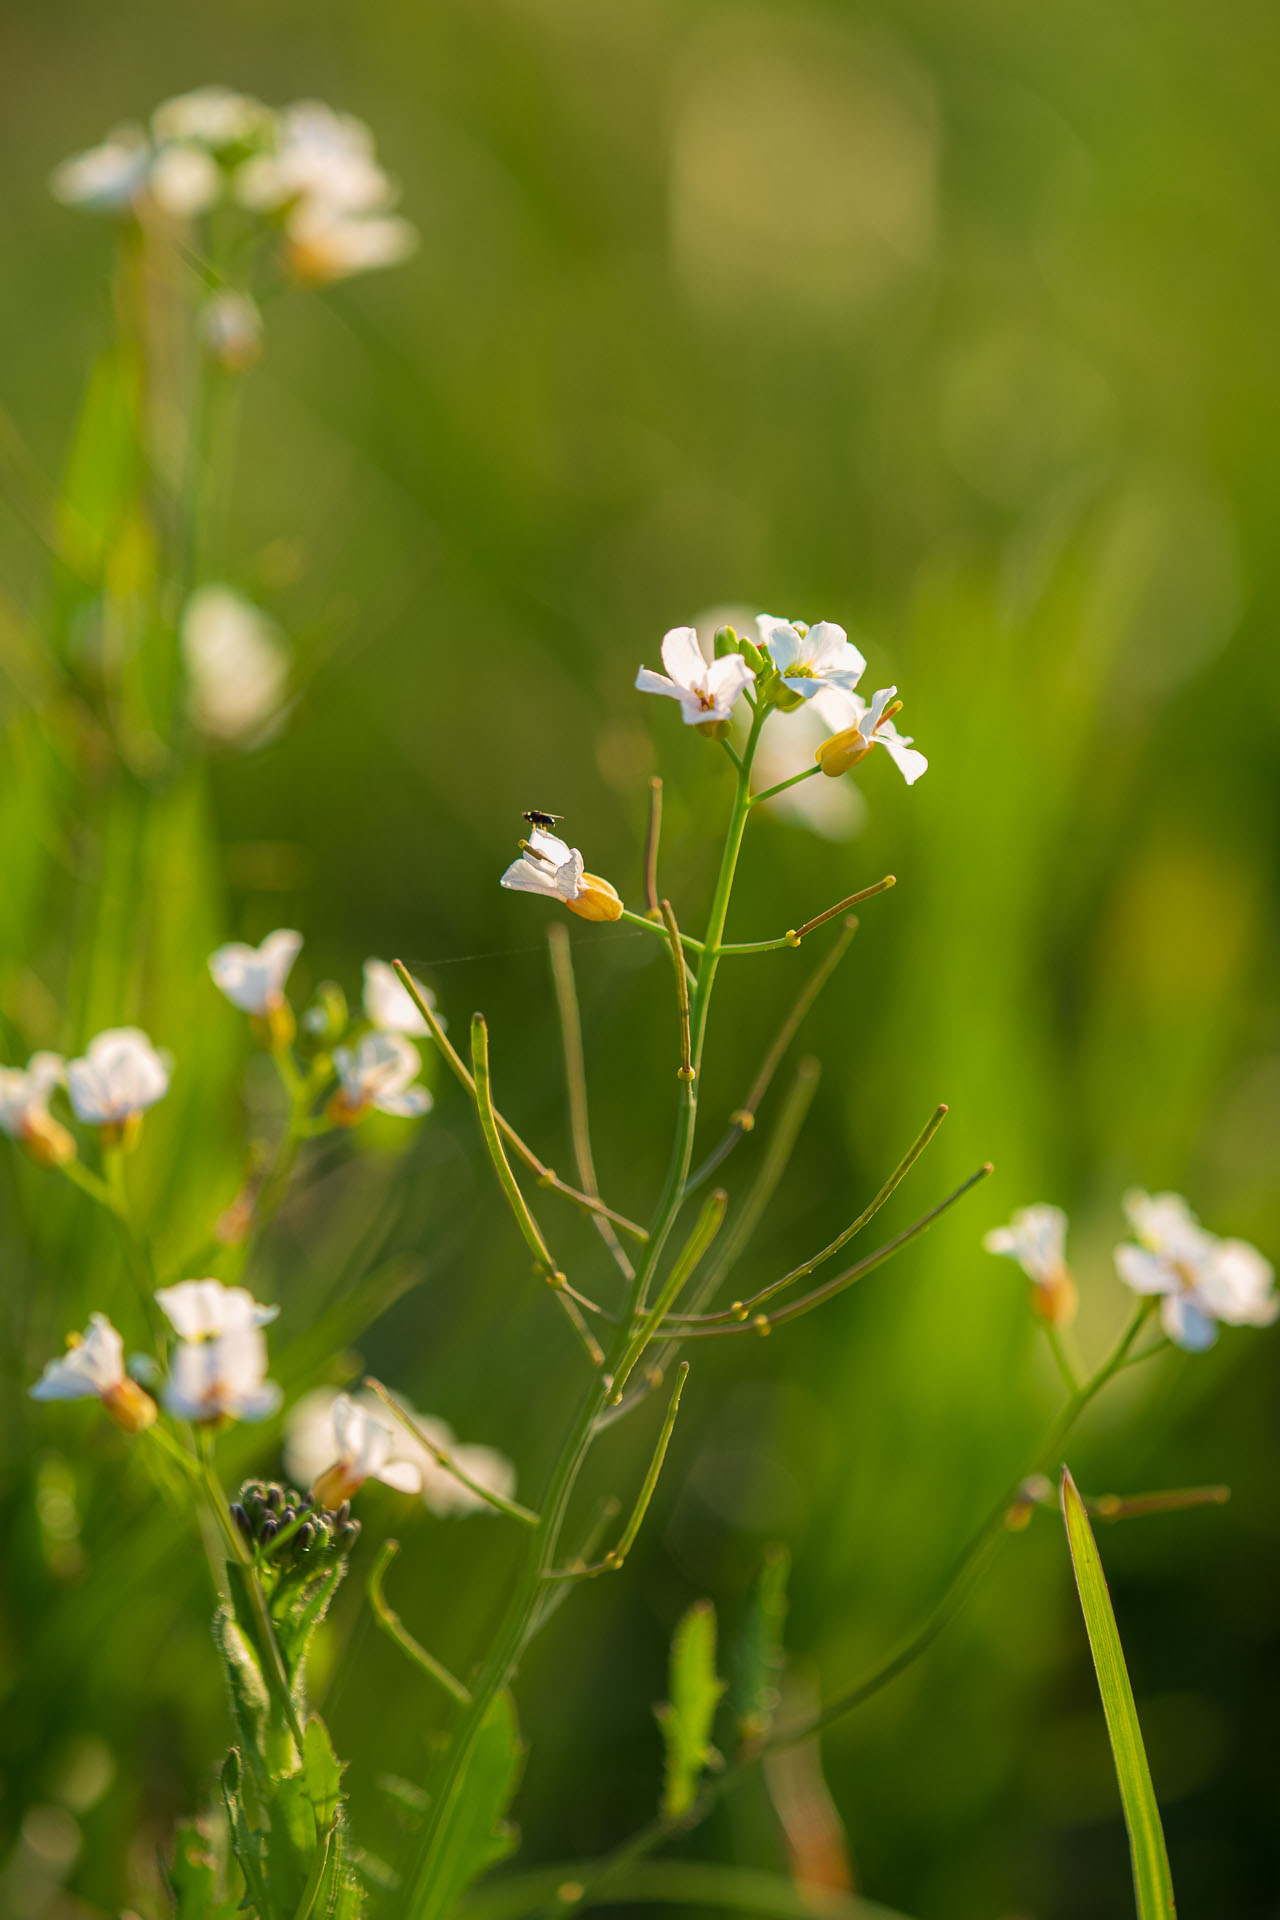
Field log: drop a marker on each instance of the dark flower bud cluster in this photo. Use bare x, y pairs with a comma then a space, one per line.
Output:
266, 1511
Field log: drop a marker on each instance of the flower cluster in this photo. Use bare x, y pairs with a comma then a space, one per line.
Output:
1199, 1279
119, 1075
311, 174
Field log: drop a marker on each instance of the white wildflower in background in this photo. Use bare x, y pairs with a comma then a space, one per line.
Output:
230, 327
361, 1447
548, 867
872, 726
218, 1367
93, 1368
24, 1109
1036, 1238
216, 117
810, 658
253, 978
107, 178
387, 1004
789, 745
378, 1072
309, 1450
706, 692
318, 157
203, 1309
119, 1076
237, 666
322, 244
1203, 1279
184, 180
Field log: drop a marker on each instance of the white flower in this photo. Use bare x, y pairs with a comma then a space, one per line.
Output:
549, 867
253, 978
184, 180
387, 1003
706, 693
363, 1442
93, 1368
222, 1377
833, 808
120, 1074
237, 665
24, 1109
1036, 1238
310, 1443
107, 178
1203, 1279
320, 156
378, 1072
231, 330
217, 117
205, 1309
872, 727
809, 658
324, 244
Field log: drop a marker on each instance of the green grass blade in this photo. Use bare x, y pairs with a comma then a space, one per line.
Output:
1153, 1886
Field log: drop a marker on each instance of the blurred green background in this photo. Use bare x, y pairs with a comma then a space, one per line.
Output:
957, 326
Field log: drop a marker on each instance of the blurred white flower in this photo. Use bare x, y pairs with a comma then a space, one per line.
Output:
361, 1447
253, 978
323, 244
789, 745
706, 692
548, 867
309, 1449
378, 1072
1203, 1279
871, 727
387, 1003
1036, 1238
223, 1377
107, 178
217, 117
24, 1108
184, 180
321, 157
119, 1075
237, 665
809, 658
231, 330
93, 1368
204, 1309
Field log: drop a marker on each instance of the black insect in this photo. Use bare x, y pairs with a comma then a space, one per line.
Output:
544, 820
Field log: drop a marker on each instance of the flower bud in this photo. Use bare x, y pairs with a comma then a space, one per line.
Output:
45, 1140
726, 641
1055, 1298
231, 331
842, 751
130, 1408
596, 899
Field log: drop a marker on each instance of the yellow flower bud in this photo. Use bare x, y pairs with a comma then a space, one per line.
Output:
842, 751
129, 1406
597, 900
45, 1140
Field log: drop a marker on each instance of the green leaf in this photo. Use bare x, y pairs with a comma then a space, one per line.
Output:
297, 1608
477, 1836
760, 1651
247, 1690
321, 1772
687, 1718
1153, 1886
192, 1876
680, 1883
248, 1846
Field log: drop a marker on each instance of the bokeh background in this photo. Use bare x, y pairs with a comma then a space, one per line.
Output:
956, 325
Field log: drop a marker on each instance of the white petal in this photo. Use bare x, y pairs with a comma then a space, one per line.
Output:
527, 876
910, 763
1144, 1271
682, 656
204, 1309
647, 681
1239, 1286
409, 1105
832, 654
727, 678
1185, 1325
309, 1436
403, 1475
387, 1002
780, 637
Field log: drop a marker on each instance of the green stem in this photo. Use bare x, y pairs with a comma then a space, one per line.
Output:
394, 1627
782, 785
687, 940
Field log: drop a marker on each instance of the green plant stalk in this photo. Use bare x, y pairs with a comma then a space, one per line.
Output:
393, 1626
526, 1597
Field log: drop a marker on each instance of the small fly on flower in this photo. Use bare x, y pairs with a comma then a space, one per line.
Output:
537, 818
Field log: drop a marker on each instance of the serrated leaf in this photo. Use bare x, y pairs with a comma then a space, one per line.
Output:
1152, 1882
296, 1612
248, 1846
760, 1653
477, 1836
687, 1718
321, 1772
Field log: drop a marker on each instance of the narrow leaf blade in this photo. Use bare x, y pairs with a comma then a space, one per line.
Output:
1153, 1885
687, 1719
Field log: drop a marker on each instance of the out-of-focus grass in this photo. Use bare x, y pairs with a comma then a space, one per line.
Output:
958, 328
